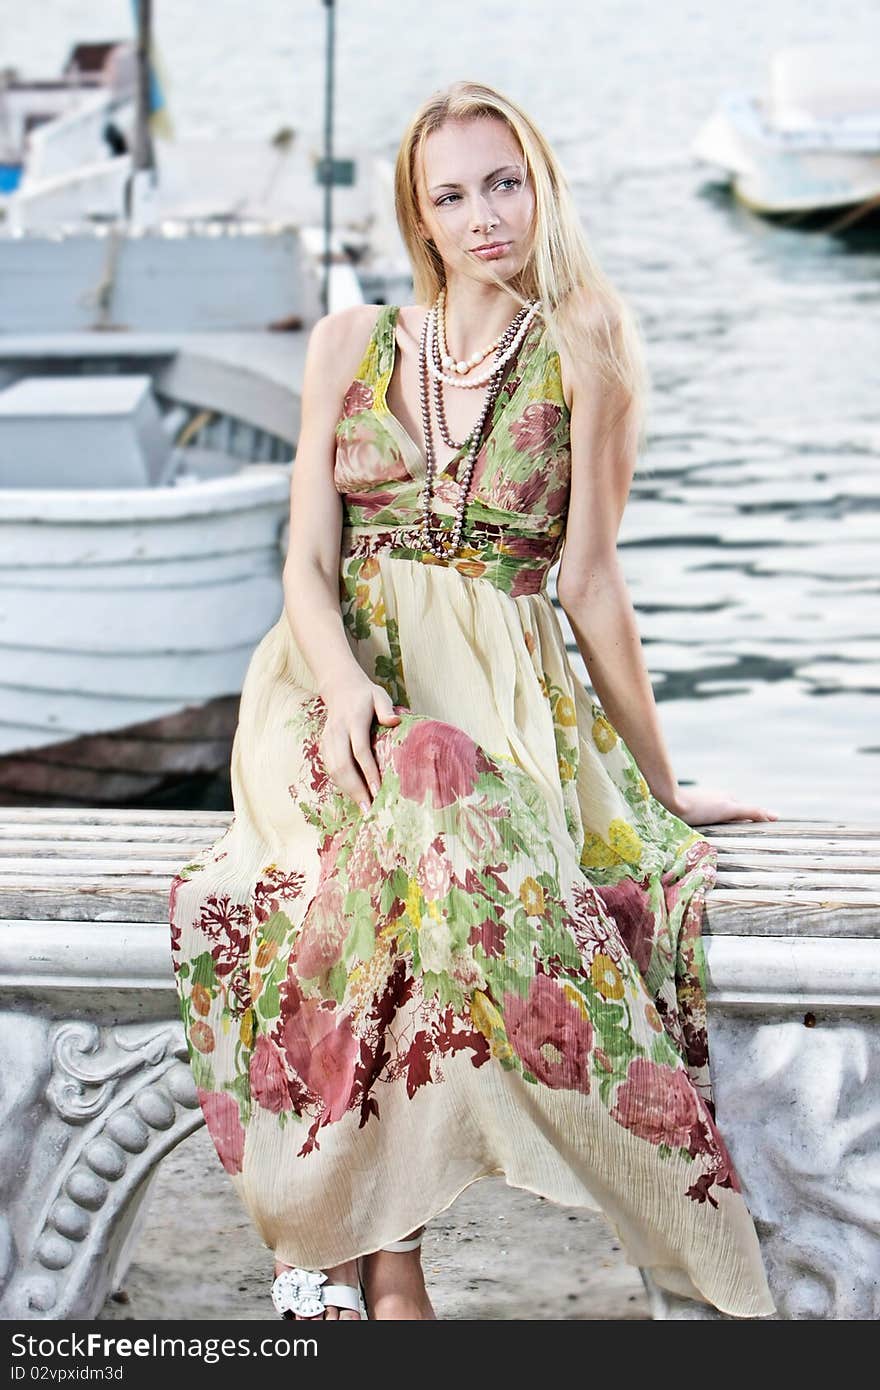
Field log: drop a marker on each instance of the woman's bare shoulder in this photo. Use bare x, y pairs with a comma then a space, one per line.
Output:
342, 330
336, 346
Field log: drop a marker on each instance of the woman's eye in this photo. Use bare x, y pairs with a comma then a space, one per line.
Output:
447, 196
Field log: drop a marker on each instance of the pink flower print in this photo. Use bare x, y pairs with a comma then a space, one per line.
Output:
534, 429
436, 760
268, 1078
364, 866
658, 1103
324, 1053
363, 462
476, 826
328, 854
629, 904
358, 397
322, 936
224, 1126
433, 871
556, 502
529, 491
465, 971
447, 491
551, 1035
527, 581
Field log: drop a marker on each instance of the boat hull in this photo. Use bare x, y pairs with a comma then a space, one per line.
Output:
128, 618
180, 759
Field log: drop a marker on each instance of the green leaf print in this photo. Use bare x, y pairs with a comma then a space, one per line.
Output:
361, 940
337, 980
395, 886
558, 941
276, 928
268, 1002
241, 1089
204, 972
202, 1071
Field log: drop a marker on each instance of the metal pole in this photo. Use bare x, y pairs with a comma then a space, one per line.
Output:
143, 157
328, 154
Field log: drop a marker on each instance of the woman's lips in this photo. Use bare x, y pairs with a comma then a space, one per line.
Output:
491, 253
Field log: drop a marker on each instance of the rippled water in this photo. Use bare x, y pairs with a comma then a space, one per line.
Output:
751, 539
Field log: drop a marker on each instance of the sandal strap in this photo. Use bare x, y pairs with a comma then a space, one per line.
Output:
403, 1244
300, 1291
342, 1296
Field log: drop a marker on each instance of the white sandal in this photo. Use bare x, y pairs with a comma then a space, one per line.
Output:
305, 1291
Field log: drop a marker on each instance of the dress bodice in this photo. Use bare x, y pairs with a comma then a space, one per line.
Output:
518, 497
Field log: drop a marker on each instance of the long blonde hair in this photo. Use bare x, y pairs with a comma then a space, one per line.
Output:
559, 261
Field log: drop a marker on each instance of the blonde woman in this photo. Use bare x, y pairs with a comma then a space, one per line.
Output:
453, 929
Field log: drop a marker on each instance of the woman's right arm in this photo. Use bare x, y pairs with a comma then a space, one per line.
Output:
311, 569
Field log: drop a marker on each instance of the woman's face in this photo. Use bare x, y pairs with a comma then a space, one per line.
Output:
476, 191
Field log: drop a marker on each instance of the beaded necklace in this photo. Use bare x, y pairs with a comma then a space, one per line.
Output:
431, 363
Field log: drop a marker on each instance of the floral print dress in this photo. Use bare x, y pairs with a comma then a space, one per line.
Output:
497, 969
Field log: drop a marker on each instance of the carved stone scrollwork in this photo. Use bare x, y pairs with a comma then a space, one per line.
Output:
118, 1100
80, 1089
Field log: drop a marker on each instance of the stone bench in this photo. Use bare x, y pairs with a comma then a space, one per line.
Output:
97, 1087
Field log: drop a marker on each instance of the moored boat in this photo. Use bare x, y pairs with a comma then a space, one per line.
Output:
811, 146
130, 604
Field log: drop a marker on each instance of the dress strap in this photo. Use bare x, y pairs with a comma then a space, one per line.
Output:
374, 368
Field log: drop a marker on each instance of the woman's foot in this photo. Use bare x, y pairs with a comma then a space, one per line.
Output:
394, 1284
338, 1274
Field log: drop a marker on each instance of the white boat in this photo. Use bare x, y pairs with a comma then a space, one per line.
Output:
92, 99
75, 180
144, 494
812, 144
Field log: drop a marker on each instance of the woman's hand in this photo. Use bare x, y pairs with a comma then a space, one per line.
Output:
345, 743
698, 806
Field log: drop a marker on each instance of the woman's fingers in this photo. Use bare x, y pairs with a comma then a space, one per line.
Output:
341, 767
754, 813
363, 753
346, 745
385, 711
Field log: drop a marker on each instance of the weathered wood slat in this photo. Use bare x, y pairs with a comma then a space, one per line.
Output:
101, 902
772, 848
42, 853
87, 870
61, 815
733, 859
801, 830
20, 856
786, 877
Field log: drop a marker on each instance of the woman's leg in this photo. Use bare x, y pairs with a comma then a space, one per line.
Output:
394, 1284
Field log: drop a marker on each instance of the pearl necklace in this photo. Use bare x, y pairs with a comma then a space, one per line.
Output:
446, 358
438, 357
507, 348
509, 343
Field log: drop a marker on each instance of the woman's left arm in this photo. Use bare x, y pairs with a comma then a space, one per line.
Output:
594, 595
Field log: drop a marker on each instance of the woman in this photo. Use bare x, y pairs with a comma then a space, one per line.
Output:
453, 929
